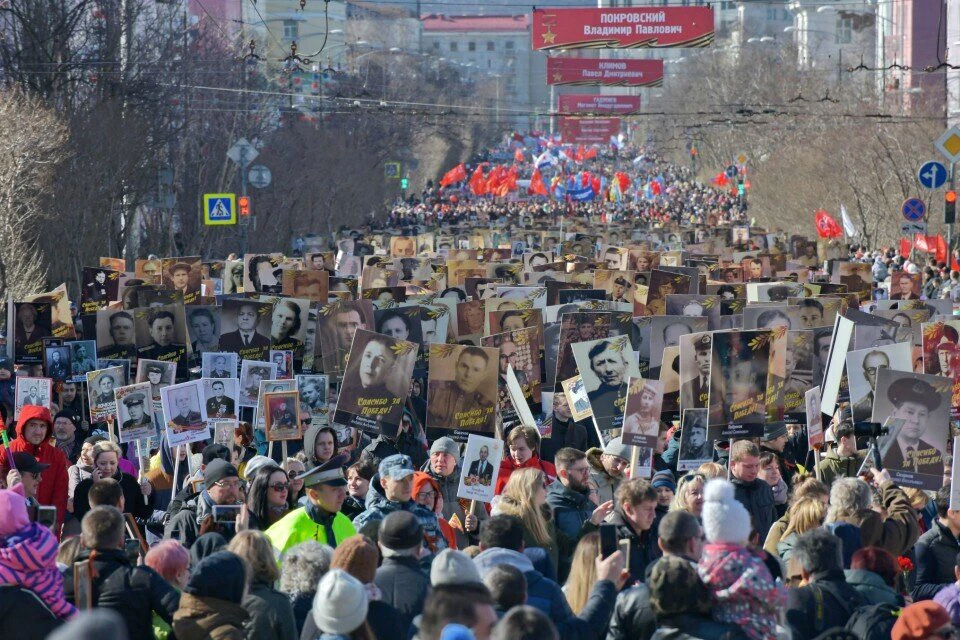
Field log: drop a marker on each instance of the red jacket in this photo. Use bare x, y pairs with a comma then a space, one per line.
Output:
508, 466
53, 486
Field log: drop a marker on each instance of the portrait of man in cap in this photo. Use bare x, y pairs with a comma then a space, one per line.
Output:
917, 444
135, 407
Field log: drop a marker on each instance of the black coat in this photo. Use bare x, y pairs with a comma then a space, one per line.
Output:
24, 615
566, 434
757, 497
825, 603
404, 587
695, 627
643, 546
132, 497
936, 556
133, 592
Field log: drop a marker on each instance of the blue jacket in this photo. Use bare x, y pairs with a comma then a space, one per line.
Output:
378, 508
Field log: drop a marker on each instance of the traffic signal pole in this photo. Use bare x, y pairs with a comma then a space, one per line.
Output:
243, 221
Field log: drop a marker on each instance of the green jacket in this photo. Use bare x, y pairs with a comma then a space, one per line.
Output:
297, 526
833, 467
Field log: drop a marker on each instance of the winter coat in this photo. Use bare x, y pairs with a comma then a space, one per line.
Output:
606, 484
23, 615
832, 467
185, 526
872, 588
133, 501
453, 508
420, 480
299, 526
745, 592
633, 617
382, 447
757, 497
383, 620
508, 466
565, 434
949, 599
75, 475
785, 547
29, 558
208, 618
897, 532
135, 592
302, 604
936, 552
643, 546
378, 508
692, 626
571, 511
403, 585
545, 594
827, 602
775, 533
53, 490
271, 615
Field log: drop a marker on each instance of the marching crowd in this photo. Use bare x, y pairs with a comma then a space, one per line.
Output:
769, 539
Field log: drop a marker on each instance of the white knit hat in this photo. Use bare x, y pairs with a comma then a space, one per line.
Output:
453, 567
340, 604
725, 519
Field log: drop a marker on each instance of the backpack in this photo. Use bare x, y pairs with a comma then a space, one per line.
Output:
873, 621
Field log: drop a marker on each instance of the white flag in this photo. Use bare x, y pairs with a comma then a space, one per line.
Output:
848, 226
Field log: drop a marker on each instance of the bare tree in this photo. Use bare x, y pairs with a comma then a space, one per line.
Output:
32, 146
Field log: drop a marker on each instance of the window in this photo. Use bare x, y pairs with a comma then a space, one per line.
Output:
471, 46
291, 30
508, 45
844, 31
453, 46
436, 44
491, 46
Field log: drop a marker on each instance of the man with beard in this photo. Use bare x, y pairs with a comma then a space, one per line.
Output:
571, 499
610, 366
696, 391
450, 398
872, 363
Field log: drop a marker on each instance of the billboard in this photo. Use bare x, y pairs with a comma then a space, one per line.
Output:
575, 103
605, 71
588, 130
629, 28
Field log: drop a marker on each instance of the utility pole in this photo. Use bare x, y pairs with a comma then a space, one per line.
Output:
128, 251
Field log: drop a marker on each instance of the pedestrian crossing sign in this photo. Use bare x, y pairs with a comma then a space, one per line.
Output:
219, 208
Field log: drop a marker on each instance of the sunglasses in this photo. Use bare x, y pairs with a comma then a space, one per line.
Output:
280, 486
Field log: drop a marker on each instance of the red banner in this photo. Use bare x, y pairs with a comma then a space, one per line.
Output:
605, 71
588, 130
574, 103
633, 28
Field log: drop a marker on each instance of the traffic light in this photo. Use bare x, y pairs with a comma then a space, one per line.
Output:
243, 205
403, 183
741, 188
949, 207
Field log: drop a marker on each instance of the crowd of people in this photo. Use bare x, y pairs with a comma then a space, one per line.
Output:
717, 529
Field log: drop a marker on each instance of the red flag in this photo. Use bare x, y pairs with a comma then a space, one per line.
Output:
511, 179
905, 246
827, 227
941, 253
932, 244
518, 156
457, 174
478, 183
595, 185
537, 188
720, 179
579, 157
624, 181
585, 178
590, 153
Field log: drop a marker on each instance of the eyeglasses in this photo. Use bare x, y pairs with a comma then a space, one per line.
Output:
222, 485
280, 486
426, 495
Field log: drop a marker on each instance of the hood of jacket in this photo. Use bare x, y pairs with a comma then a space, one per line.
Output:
593, 459
310, 443
871, 586
488, 559
559, 495
206, 614
38, 451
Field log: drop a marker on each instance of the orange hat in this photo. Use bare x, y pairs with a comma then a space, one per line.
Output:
919, 620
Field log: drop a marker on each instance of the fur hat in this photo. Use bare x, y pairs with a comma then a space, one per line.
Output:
724, 518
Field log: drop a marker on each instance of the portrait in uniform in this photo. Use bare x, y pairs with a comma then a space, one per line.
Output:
220, 398
135, 412
462, 390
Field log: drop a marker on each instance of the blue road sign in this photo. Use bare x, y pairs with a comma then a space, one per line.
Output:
219, 208
932, 175
913, 209
731, 171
